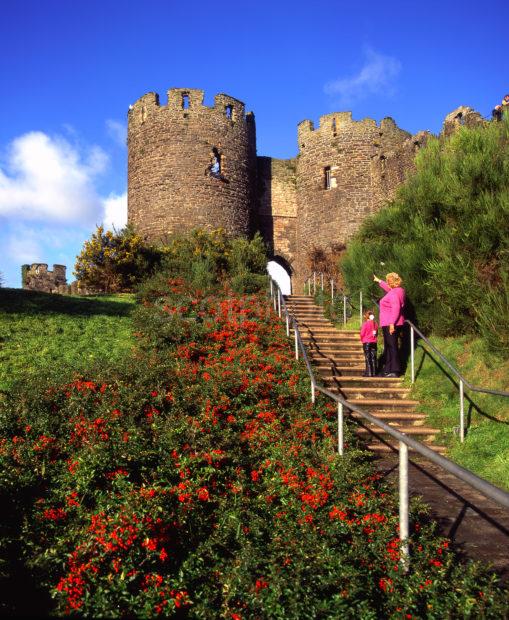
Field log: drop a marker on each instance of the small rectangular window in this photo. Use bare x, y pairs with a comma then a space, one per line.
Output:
327, 177
185, 101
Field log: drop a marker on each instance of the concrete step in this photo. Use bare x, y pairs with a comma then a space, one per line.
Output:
354, 392
394, 416
382, 403
337, 353
347, 371
408, 429
379, 447
356, 380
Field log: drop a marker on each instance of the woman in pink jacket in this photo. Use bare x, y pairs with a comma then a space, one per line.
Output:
391, 321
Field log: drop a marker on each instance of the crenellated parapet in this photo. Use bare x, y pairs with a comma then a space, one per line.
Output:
340, 126
187, 104
37, 277
171, 148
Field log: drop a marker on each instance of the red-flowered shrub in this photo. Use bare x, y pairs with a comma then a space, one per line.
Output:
200, 481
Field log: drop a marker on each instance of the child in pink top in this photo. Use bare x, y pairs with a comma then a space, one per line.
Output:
369, 337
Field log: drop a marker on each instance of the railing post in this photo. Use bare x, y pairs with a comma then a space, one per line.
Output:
279, 302
332, 291
360, 307
312, 391
344, 309
340, 428
412, 350
287, 325
314, 282
403, 502
321, 281
296, 340
271, 289
462, 411
275, 303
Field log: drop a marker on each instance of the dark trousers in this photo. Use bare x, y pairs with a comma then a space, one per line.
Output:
370, 357
391, 353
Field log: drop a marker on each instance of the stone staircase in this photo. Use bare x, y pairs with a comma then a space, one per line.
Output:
338, 359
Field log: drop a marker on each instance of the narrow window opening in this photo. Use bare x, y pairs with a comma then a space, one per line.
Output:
215, 163
327, 177
229, 112
185, 101
334, 127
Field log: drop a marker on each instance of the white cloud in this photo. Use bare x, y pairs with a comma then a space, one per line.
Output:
117, 131
377, 76
47, 179
115, 211
24, 250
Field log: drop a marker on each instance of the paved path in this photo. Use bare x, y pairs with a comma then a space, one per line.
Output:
478, 527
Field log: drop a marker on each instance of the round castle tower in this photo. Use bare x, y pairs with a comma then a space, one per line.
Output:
170, 187
343, 176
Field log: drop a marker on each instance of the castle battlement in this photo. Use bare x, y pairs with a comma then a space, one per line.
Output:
37, 277
340, 124
187, 103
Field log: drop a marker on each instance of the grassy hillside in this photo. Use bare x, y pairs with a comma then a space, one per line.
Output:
46, 335
486, 447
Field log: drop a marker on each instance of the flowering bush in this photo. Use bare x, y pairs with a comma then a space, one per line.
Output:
200, 481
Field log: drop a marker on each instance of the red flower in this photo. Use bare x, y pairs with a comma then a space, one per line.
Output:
203, 494
261, 584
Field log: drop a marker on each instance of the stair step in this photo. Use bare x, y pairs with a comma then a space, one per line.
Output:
389, 392
390, 446
408, 429
393, 416
381, 402
361, 379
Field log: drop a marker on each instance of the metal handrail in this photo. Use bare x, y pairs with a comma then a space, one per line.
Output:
483, 486
462, 381
474, 388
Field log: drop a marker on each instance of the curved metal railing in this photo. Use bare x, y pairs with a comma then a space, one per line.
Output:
404, 442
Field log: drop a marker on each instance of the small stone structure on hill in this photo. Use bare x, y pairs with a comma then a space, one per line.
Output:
36, 277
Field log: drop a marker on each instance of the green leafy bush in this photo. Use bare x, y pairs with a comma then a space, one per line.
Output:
198, 480
447, 235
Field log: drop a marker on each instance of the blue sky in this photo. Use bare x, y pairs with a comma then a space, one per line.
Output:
69, 70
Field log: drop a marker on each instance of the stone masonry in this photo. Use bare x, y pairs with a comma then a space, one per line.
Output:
345, 170
169, 154
36, 277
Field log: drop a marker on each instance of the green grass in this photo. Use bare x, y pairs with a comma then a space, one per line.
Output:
486, 447
44, 336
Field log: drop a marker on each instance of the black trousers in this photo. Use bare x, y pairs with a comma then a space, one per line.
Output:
391, 352
370, 357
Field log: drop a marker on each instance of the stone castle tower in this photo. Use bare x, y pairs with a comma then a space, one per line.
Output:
169, 153
345, 170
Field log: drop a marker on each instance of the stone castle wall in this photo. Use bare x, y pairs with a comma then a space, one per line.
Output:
349, 153
277, 206
36, 277
169, 186
289, 201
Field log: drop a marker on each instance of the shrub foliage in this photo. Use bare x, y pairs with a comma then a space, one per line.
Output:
447, 234
197, 480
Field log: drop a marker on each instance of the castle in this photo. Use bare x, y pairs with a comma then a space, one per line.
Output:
344, 171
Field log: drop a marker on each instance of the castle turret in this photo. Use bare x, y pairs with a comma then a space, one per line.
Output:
170, 150
338, 178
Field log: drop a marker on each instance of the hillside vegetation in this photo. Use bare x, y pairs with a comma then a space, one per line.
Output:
44, 336
198, 481
447, 235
